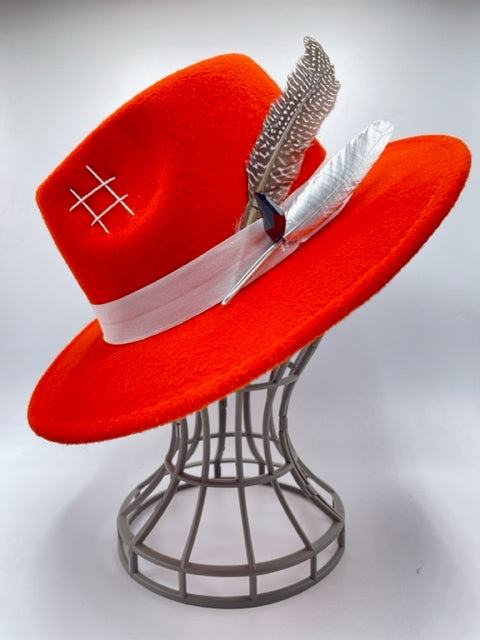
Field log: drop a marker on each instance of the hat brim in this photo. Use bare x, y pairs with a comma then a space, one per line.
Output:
94, 391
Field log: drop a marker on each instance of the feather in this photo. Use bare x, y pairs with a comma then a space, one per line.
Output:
274, 221
329, 189
323, 196
290, 127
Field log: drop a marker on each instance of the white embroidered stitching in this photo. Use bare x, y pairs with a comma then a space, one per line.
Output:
81, 200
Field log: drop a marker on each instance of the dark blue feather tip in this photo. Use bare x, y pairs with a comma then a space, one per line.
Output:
274, 220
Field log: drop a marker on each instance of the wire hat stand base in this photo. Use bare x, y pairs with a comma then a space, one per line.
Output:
256, 525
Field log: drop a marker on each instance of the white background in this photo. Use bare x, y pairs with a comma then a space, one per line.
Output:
389, 410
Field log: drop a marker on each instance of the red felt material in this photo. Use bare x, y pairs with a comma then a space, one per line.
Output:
96, 391
179, 150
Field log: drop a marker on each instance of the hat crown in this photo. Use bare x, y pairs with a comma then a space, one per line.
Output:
163, 179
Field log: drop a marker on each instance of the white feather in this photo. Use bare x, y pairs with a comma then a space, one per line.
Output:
323, 196
329, 189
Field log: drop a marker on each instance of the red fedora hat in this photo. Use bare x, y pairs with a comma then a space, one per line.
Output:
160, 184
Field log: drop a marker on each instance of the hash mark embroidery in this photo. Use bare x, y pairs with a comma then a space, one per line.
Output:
103, 184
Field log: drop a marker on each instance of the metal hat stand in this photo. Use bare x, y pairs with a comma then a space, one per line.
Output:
256, 525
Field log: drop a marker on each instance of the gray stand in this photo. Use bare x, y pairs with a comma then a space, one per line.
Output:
256, 525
